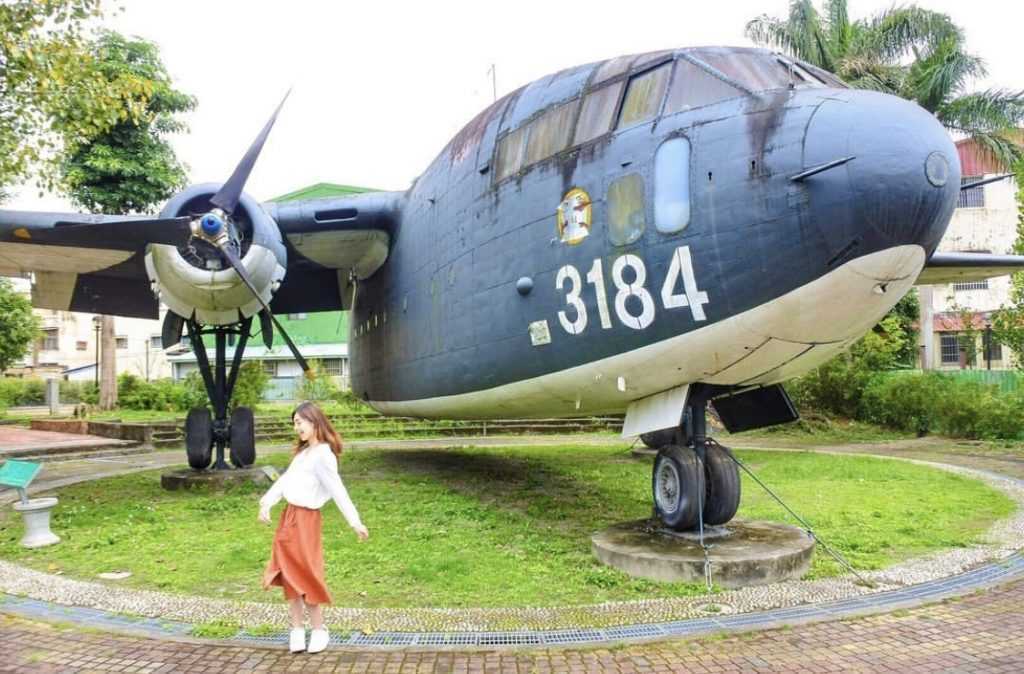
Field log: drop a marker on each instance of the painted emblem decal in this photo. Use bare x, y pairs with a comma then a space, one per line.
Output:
574, 216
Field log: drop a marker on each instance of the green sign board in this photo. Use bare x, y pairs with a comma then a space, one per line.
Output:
18, 474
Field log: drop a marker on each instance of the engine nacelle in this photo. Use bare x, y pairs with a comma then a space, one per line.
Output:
195, 282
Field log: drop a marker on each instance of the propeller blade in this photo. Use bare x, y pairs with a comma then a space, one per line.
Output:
228, 195
239, 268
115, 233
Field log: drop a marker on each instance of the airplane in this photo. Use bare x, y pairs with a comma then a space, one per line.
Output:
648, 235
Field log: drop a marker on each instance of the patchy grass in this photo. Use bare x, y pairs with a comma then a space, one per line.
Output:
489, 526
216, 629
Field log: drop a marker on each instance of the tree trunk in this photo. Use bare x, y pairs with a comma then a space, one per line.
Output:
108, 365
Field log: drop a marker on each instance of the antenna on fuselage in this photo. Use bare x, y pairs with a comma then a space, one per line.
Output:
494, 81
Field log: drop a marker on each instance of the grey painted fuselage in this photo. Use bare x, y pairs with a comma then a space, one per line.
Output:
442, 318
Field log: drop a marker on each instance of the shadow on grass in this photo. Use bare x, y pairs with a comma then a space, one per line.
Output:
523, 485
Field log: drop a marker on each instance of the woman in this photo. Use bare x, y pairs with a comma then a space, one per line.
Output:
297, 556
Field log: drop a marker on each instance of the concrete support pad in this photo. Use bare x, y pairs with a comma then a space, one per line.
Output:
742, 552
186, 478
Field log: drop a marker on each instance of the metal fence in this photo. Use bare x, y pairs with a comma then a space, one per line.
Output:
1008, 381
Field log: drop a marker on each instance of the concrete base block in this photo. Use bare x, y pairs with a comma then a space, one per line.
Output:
36, 513
214, 480
742, 553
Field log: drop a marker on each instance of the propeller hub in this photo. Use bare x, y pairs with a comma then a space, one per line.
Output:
212, 224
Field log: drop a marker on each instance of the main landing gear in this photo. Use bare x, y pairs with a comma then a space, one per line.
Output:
203, 431
695, 483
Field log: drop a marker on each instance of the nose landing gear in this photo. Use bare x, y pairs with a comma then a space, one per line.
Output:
694, 480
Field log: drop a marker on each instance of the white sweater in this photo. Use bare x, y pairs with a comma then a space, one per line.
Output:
310, 481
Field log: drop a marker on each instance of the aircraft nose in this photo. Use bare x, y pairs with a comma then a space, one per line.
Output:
903, 181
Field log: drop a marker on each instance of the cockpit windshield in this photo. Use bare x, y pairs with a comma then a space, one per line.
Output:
762, 70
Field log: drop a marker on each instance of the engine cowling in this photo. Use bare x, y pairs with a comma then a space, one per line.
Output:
193, 279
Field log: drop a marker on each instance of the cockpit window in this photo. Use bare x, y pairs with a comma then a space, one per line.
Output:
550, 132
613, 67
510, 153
694, 87
758, 71
644, 96
596, 115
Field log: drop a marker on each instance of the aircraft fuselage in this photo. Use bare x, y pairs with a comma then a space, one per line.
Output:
664, 250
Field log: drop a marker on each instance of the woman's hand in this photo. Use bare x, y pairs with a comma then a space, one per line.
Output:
264, 515
362, 532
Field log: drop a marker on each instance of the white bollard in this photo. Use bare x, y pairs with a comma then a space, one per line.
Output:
36, 512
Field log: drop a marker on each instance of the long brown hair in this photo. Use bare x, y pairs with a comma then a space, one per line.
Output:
321, 427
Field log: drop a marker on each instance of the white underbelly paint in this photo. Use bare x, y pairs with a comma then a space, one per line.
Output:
767, 344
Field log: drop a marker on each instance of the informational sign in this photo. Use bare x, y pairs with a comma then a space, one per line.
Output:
18, 474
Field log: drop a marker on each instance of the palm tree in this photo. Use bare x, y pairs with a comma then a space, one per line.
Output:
907, 51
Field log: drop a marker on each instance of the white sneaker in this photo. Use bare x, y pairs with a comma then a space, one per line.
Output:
318, 640
297, 640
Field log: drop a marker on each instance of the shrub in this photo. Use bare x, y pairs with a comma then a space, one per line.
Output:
319, 387
15, 392
250, 386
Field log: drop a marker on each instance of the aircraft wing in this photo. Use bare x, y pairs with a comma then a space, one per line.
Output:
84, 262
960, 267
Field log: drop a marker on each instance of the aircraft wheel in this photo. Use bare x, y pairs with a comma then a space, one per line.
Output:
677, 483
243, 437
722, 478
658, 439
199, 437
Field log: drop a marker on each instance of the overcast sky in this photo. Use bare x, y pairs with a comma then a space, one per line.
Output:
380, 87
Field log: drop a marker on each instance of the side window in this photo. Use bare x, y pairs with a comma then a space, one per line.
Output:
550, 132
626, 209
596, 115
672, 186
510, 153
644, 96
693, 87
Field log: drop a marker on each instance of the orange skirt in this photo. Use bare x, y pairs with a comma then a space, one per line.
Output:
297, 557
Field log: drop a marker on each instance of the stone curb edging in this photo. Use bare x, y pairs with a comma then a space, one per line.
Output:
972, 581
620, 619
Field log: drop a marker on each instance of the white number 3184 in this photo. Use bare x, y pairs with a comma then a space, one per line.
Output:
680, 268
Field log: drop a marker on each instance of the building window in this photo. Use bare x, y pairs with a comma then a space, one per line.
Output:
672, 186
950, 348
644, 96
992, 350
332, 367
81, 345
952, 343
972, 285
270, 367
974, 197
156, 341
186, 341
122, 342
50, 340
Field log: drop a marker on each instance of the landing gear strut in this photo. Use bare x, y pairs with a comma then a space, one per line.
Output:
694, 481
204, 432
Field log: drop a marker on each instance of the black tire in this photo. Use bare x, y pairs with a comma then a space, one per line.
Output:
659, 439
677, 484
199, 437
243, 437
722, 477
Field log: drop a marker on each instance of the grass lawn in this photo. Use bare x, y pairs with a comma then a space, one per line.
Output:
489, 526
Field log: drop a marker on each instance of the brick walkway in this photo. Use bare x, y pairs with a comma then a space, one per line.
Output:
980, 633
